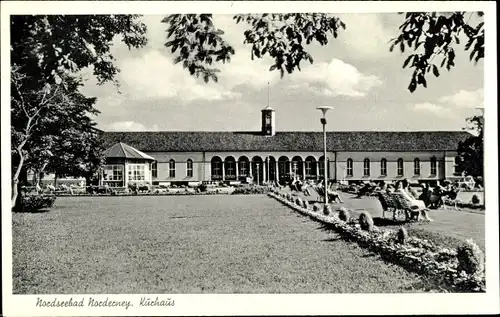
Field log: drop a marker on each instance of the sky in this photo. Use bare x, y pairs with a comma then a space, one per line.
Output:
355, 74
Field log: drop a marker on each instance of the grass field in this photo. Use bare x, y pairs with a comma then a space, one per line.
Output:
192, 244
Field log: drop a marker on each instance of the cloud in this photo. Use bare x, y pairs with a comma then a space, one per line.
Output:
366, 36
154, 75
242, 70
336, 78
129, 126
465, 99
433, 109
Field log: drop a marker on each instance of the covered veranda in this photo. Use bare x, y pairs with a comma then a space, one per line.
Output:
258, 170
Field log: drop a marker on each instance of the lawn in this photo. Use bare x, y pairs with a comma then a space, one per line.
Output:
190, 244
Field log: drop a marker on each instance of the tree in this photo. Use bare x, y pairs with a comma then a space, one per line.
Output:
46, 46
47, 53
471, 150
65, 141
439, 34
281, 36
80, 153
200, 45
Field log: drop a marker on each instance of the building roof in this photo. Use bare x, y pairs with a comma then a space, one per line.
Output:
122, 150
170, 141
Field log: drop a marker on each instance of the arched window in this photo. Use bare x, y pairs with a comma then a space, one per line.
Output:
230, 168
433, 165
297, 166
243, 166
171, 168
310, 167
321, 166
349, 167
383, 167
154, 169
400, 167
366, 167
189, 168
216, 168
416, 166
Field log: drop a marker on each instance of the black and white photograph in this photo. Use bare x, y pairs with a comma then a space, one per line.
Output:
202, 158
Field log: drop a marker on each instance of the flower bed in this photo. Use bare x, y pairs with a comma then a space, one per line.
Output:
418, 255
249, 190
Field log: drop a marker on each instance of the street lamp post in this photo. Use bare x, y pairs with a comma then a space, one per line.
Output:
324, 110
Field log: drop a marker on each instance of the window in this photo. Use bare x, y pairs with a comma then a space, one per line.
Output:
416, 166
217, 168
383, 167
113, 172
136, 172
433, 166
321, 166
189, 169
308, 168
171, 168
400, 167
230, 168
154, 169
268, 119
243, 168
349, 167
366, 167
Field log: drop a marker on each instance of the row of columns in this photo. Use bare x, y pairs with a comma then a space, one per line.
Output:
266, 176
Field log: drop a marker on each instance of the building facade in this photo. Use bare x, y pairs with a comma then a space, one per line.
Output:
268, 156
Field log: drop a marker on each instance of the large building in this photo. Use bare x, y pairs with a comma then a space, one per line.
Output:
267, 155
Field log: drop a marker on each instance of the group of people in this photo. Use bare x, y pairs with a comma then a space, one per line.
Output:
307, 187
430, 197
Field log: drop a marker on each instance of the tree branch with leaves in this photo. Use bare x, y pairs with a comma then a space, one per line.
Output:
199, 45
435, 36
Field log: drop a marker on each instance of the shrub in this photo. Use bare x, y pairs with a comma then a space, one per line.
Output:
33, 203
402, 235
316, 207
475, 199
250, 190
298, 202
327, 210
470, 258
366, 221
202, 188
344, 214
305, 204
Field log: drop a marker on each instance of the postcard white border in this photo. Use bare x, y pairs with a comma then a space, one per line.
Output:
259, 304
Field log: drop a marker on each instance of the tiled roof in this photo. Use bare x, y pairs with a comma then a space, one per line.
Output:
170, 141
122, 150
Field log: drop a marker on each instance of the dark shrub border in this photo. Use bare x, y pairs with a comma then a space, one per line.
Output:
34, 203
417, 255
